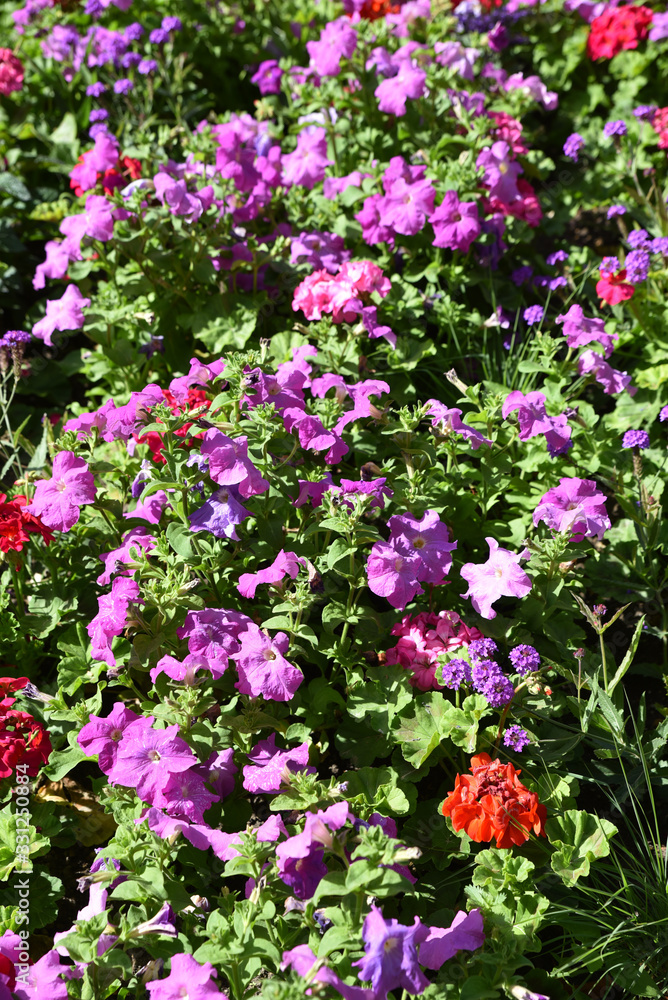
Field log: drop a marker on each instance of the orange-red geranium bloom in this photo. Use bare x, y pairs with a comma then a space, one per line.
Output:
492, 802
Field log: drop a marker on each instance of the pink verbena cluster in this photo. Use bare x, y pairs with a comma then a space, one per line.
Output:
425, 637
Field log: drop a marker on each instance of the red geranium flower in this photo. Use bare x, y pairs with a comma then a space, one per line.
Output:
7, 686
16, 524
23, 740
614, 30
613, 289
492, 802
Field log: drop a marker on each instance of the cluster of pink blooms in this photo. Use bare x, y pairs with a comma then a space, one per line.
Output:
423, 639
11, 72
345, 295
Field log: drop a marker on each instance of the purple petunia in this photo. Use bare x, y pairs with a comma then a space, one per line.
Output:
147, 758
416, 552
391, 958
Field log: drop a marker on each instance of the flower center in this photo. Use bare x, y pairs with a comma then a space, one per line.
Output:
390, 944
419, 543
154, 756
269, 654
116, 735
61, 485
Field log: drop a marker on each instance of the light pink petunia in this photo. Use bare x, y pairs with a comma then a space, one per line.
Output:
500, 576
187, 978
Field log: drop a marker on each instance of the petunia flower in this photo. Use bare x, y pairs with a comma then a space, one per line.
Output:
500, 576
575, 506
187, 978
58, 500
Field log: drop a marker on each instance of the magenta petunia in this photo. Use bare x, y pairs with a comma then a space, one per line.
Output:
500, 576
612, 380
448, 420
127, 556
285, 564
263, 669
111, 617
58, 500
534, 420
269, 766
185, 795
306, 166
65, 313
229, 464
103, 736
393, 574
456, 223
579, 330
575, 506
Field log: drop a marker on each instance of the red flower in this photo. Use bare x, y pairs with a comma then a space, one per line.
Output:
492, 802
7, 686
614, 30
16, 524
23, 740
612, 288
7, 973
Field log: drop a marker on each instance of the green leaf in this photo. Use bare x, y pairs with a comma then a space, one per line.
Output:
581, 838
435, 720
181, 540
63, 762
501, 868
377, 789
628, 657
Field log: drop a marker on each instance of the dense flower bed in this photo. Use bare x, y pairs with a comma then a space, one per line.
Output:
333, 386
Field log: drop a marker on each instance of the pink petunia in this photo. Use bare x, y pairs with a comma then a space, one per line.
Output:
58, 500
64, 313
269, 766
263, 669
575, 506
285, 564
500, 576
